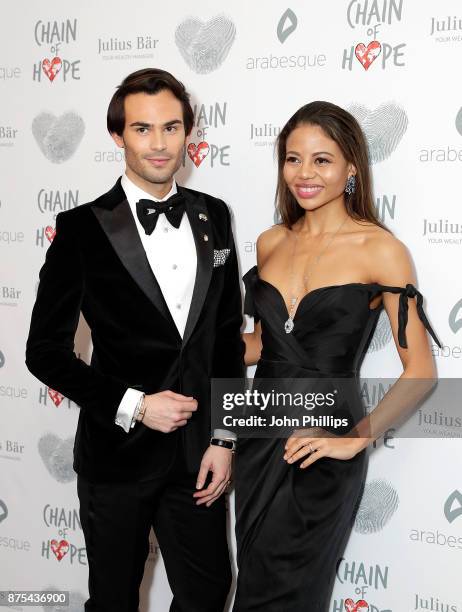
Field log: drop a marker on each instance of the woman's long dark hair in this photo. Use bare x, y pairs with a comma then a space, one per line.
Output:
342, 127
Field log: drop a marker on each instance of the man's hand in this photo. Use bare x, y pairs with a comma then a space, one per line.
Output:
217, 460
166, 411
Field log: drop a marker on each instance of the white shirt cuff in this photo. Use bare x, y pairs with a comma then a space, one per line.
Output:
224, 434
127, 408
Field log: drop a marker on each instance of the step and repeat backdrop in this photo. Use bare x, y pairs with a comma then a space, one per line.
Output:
395, 64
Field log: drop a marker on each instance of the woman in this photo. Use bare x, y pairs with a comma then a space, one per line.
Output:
323, 275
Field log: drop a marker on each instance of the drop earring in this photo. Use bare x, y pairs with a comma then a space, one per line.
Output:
350, 186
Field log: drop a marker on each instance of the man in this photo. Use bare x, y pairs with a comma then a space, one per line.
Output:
153, 268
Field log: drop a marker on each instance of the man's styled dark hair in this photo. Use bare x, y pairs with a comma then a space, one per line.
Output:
149, 81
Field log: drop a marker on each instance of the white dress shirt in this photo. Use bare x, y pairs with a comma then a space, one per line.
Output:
171, 253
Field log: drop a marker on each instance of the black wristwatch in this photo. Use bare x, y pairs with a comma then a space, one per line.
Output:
229, 444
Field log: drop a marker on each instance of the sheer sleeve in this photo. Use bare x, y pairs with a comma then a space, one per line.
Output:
250, 279
404, 294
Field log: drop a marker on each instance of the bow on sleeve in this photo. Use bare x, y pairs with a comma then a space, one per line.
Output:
410, 292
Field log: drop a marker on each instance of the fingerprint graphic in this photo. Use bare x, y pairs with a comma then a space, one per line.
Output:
58, 137
382, 333
378, 504
204, 46
459, 121
384, 127
57, 456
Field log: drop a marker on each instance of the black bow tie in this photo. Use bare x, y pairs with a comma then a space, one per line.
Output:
148, 212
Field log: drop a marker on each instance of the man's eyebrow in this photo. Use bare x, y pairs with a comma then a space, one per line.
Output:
149, 125
173, 122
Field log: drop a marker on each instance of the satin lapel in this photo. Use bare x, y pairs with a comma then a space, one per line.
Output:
119, 226
199, 219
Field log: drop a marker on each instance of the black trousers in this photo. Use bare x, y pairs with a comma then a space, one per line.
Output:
116, 520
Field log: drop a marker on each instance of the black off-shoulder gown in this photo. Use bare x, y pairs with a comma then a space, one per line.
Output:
292, 524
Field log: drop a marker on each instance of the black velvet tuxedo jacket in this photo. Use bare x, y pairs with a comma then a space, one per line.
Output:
96, 265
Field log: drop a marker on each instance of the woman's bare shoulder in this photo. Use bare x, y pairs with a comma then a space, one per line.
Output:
389, 257
268, 240
384, 244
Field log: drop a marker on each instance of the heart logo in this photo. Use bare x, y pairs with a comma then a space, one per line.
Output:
384, 127
59, 548
52, 68
199, 153
204, 46
359, 606
50, 233
55, 396
57, 455
368, 55
58, 137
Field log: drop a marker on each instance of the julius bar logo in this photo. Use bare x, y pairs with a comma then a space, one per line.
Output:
446, 29
442, 231
8, 135
264, 134
117, 48
433, 604
53, 35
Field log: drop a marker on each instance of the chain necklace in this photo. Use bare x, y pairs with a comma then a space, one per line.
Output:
289, 324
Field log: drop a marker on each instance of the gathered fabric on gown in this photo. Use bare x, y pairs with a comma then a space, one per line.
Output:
293, 524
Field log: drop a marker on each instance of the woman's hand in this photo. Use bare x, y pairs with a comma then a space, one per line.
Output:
317, 442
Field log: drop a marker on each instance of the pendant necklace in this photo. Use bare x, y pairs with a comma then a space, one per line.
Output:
289, 324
